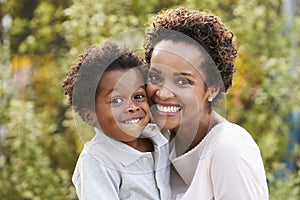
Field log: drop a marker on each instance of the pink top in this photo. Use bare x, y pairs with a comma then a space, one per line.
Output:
226, 165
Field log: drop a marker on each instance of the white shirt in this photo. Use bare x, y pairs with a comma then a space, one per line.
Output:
108, 169
226, 165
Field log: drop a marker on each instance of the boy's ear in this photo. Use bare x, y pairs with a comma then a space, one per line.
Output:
89, 116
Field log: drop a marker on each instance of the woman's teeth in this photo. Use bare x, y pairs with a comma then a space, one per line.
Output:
168, 108
132, 121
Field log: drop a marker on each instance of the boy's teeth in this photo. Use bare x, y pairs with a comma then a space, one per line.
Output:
132, 121
168, 108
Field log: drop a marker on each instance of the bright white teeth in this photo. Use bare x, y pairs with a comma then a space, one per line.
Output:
133, 121
168, 108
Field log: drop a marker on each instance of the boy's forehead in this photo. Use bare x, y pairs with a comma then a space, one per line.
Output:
130, 79
121, 80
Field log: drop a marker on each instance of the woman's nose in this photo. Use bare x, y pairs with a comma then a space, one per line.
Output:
164, 92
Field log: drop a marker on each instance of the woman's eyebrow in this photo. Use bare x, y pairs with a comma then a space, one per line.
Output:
182, 74
155, 70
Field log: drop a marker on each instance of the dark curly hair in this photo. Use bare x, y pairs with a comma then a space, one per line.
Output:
204, 29
81, 82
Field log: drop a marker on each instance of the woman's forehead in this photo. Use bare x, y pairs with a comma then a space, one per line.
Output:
180, 56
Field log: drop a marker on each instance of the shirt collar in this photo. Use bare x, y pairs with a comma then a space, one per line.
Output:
180, 163
192, 157
152, 132
125, 154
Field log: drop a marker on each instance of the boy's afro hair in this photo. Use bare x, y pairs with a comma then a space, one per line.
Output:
81, 82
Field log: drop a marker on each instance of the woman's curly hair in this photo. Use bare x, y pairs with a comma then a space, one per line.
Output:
81, 82
202, 27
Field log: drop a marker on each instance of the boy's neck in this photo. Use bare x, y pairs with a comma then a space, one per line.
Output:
141, 144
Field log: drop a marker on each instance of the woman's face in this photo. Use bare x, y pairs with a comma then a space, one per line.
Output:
176, 87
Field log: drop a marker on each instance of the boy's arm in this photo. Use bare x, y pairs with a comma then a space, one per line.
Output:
93, 180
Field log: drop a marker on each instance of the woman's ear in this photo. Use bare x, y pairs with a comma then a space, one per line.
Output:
213, 92
89, 116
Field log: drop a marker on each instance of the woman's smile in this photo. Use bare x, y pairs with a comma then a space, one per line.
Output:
175, 85
168, 109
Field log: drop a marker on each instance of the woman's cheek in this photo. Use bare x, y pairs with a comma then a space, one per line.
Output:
150, 90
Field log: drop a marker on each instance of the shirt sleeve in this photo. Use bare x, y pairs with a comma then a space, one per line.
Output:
93, 180
237, 170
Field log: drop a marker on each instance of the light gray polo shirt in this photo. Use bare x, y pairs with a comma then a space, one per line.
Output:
108, 169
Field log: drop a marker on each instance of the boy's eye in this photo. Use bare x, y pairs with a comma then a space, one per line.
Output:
183, 81
154, 78
116, 100
139, 96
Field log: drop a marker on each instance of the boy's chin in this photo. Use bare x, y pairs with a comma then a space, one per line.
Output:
133, 131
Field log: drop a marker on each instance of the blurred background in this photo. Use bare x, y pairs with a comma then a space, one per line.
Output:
40, 39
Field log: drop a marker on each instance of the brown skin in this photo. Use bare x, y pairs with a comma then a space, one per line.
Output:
177, 89
122, 109
206, 30
188, 29
117, 67
80, 84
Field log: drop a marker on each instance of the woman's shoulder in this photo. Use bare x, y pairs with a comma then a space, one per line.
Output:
232, 132
233, 139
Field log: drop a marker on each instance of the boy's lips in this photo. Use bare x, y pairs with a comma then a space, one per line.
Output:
133, 120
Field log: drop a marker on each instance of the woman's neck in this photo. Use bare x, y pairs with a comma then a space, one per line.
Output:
191, 134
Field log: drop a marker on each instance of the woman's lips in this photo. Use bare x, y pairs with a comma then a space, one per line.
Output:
168, 109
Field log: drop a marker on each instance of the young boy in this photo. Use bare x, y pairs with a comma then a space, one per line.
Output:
127, 158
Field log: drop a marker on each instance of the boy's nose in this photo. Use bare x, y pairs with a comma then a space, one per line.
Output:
132, 107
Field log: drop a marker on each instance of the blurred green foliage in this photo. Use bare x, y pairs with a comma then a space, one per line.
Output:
39, 141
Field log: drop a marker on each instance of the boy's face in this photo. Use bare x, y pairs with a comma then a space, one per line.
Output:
121, 105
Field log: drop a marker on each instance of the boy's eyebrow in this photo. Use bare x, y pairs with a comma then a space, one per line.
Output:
141, 86
108, 92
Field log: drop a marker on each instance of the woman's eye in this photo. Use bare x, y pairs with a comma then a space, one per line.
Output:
139, 96
116, 100
183, 81
154, 78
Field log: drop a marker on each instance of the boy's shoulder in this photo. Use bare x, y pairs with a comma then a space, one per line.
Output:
156, 135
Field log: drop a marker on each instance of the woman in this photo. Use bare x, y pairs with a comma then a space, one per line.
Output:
191, 55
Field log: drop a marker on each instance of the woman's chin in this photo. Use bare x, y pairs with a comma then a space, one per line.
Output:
167, 123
